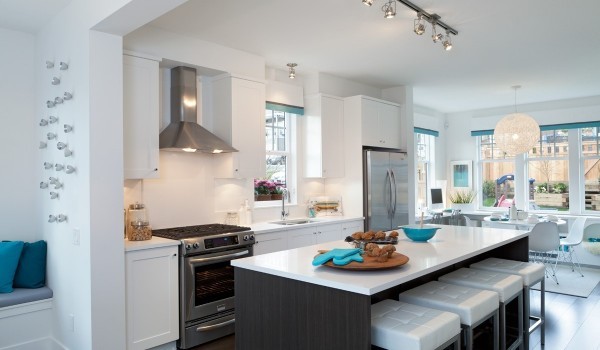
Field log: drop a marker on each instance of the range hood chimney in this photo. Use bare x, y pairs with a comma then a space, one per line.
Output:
184, 133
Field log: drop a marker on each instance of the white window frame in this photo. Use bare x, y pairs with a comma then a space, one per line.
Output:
429, 165
291, 159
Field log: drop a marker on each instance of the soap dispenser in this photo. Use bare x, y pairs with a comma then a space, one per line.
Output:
513, 212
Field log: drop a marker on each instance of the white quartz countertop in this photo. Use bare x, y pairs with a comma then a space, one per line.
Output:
266, 227
154, 242
450, 245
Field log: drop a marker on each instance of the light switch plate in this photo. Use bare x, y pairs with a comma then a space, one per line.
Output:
76, 236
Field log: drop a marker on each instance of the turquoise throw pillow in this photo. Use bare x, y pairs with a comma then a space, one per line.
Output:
9, 258
31, 271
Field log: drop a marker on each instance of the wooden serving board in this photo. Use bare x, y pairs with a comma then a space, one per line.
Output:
371, 263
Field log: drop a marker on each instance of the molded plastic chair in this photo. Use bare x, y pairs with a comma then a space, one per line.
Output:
544, 242
574, 238
469, 222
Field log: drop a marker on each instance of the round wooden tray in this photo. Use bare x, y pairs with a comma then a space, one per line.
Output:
370, 263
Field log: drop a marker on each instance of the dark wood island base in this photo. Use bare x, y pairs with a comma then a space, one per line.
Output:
274, 312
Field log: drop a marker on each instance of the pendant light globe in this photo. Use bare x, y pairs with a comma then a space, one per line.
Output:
516, 133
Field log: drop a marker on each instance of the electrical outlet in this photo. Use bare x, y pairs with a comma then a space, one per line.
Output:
71, 323
76, 235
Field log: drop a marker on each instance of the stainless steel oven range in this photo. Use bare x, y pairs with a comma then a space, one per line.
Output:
206, 279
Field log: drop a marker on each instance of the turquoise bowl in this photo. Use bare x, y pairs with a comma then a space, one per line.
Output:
418, 234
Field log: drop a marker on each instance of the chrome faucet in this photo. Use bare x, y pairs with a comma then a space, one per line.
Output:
284, 214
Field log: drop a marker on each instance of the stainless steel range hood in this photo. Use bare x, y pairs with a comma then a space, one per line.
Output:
184, 133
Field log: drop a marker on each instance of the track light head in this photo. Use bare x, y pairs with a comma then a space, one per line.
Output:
368, 2
419, 26
447, 42
389, 9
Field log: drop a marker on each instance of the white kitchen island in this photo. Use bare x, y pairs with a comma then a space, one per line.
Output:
282, 301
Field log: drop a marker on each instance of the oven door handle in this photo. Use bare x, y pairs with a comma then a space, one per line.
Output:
220, 257
218, 325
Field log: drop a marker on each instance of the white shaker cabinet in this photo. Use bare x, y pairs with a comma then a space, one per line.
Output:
379, 120
140, 117
348, 228
270, 242
319, 233
238, 112
323, 136
152, 297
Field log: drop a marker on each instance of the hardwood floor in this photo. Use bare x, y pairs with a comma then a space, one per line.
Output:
572, 323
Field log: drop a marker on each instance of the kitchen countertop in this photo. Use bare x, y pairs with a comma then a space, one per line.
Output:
154, 242
450, 245
258, 228
266, 227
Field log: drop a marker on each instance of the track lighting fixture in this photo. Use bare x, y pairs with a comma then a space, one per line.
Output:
389, 9
447, 42
292, 74
419, 26
434, 35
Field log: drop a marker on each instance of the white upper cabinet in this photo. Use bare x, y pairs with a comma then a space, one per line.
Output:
238, 111
323, 136
379, 120
140, 117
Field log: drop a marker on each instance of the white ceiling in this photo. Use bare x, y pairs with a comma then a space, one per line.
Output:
550, 47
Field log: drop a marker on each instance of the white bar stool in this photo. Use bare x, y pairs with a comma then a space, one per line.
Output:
473, 306
532, 274
398, 325
509, 287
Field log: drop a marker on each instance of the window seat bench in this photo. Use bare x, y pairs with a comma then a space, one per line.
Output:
26, 319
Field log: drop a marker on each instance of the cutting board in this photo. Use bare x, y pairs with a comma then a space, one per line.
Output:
371, 263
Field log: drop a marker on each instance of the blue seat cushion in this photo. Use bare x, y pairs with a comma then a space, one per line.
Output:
9, 256
31, 270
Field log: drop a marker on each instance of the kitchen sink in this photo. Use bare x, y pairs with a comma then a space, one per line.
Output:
293, 222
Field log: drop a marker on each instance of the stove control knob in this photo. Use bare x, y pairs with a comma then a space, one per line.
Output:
196, 245
246, 237
251, 237
188, 247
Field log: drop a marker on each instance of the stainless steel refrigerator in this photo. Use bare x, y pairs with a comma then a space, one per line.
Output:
385, 186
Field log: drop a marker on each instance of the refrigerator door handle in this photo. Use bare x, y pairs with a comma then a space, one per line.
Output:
391, 207
388, 179
393, 180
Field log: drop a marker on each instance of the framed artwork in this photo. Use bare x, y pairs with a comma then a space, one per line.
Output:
460, 174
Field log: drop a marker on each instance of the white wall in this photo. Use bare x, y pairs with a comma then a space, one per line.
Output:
18, 137
87, 277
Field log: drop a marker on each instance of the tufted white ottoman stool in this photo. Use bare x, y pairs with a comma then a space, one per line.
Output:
473, 306
398, 325
509, 289
531, 274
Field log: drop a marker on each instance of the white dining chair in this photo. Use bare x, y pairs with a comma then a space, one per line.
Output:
469, 222
544, 242
573, 239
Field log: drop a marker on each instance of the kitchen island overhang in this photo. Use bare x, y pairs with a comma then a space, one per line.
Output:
304, 306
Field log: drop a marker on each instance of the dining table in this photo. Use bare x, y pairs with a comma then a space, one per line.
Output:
517, 224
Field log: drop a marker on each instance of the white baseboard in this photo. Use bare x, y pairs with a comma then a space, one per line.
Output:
38, 344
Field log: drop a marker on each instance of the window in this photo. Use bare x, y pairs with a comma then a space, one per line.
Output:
548, 170
590, 171
279, 128
496, 171
549, 189
425, 150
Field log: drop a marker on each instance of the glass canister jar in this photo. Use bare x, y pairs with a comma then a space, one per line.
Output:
138, 226
140, 231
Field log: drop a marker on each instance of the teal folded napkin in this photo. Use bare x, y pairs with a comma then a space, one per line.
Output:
338, 255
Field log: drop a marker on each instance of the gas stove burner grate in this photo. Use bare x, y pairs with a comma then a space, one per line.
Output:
198, 231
